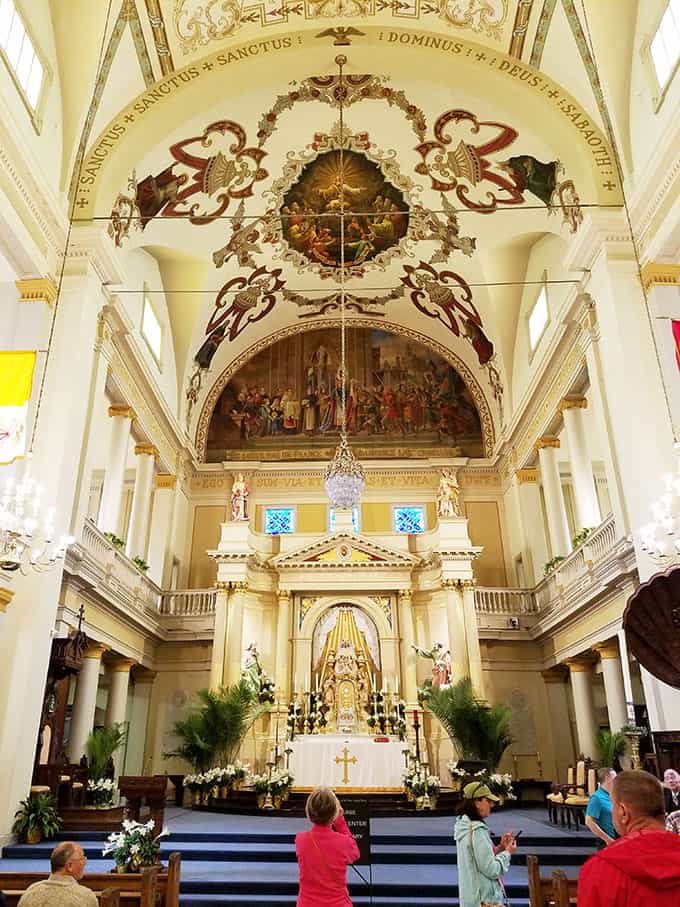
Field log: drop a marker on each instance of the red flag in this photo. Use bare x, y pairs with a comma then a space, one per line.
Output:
676, 337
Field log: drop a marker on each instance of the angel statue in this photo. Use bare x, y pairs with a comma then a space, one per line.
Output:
441, 669
448, 495
239, 499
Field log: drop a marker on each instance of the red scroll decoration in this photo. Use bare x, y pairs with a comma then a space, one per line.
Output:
240, 298
218, 175
466, 168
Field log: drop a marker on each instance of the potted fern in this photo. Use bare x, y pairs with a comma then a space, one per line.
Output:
101, 746
480, 733
36, 819
611, 746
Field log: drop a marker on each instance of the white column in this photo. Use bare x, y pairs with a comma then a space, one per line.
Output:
141, 500
409, 677
627, 679
234, 645
85, 702
614, 691
585, 494
536, 551
455, 619
472, 635
142, 680
558, 526
581, 674
283, 645
114, 476
161, 526
116, 707
217, 672
25, 641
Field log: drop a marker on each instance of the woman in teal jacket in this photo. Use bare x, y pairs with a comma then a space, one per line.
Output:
479, 868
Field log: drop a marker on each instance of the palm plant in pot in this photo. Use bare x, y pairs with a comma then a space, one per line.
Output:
611, 747
36, 819
480, 733
101, 746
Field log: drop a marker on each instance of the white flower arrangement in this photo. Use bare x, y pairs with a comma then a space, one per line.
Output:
134, 846
499, 784
216, 777
455, 772
102, 791
432, 784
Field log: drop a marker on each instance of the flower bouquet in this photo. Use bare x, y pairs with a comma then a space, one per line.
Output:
432, 787
238, 772
135, 846
279, 785
457, 774
260, 784
101, 792
498, 784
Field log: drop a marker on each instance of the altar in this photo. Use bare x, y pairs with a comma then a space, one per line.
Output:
347, 761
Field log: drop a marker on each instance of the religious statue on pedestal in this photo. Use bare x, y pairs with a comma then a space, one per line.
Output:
441, 669
448, 495
240, 493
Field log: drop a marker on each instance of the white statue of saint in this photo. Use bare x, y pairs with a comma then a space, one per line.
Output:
239, 499
448, 495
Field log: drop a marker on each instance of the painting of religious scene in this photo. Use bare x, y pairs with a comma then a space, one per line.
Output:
376, 214
397, 392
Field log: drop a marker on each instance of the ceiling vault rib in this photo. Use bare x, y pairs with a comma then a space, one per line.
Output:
544, 23
160, 36
519, 29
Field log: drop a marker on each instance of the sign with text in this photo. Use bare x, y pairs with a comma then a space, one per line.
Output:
358, 818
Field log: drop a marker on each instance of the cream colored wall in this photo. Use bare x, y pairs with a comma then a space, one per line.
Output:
484, 524
546, 256
142, 269
205, 536
182, 669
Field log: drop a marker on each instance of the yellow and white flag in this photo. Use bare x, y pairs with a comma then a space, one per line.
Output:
16, 379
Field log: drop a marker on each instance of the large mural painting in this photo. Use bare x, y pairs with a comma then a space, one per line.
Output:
290, 395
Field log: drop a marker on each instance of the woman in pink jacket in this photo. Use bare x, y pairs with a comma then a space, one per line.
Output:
324, 853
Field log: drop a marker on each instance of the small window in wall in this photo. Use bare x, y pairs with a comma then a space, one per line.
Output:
20, 55
279, 520
409, 519
665, 45
355, 519
151, 328
538, 319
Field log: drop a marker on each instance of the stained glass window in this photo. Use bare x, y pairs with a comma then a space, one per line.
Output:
409, 519
355, 519
278, 520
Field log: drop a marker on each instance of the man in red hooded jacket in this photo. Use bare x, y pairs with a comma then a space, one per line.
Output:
641, 868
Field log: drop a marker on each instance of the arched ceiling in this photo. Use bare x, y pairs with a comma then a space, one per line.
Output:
442, 100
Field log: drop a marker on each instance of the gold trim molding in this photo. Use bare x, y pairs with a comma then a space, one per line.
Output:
122, 409
164, 480
579, 666
6, 596
37, 289
607, 650
121, 665
546, 442
527, 476
659, 274
572, 403
95, 650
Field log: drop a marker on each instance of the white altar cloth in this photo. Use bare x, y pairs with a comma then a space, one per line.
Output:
378, 765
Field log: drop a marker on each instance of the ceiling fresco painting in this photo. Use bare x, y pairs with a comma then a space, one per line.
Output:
290, 396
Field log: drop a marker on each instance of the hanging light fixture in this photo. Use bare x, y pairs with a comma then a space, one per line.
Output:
344, 475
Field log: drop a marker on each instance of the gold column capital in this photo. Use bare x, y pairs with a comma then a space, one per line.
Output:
37, 289
6, 596
95, 650
527, 476
579, 665
146, 449
659, 274
450, 583
572, 403
607, 650
122, 409
467, 583
222, 586
164, 480
241, 586
119, 664
546, 442
555, 675
405, 594
283, 594
144, 675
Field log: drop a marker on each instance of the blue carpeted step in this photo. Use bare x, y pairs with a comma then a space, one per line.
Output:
240, 900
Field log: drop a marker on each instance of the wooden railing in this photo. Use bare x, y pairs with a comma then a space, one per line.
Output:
188, 602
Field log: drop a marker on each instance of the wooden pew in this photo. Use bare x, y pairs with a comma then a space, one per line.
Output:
148, 888
544, 891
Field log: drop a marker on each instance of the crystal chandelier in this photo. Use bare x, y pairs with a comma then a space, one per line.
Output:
27, 533
660, 538
344, 476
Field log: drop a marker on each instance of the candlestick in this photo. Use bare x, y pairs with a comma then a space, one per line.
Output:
295, 686
396, 684
317, 681
307, 683
375, 685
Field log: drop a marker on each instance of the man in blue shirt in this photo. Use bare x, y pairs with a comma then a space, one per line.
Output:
599, 813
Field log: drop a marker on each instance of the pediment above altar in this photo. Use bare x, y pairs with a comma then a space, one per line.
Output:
345, 550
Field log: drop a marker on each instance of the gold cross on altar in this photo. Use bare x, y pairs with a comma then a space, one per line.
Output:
345, 761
